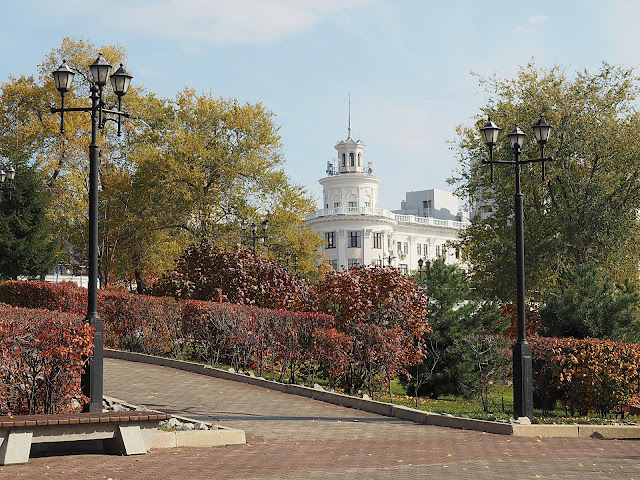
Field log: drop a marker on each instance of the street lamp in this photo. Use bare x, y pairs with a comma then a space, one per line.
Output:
7, 177
390, 258
522, 364
427, 264
63, 78
254, 232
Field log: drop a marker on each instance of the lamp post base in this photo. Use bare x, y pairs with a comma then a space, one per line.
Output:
522, 380
92, 378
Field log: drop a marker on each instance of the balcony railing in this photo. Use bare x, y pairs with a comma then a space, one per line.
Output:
384, 213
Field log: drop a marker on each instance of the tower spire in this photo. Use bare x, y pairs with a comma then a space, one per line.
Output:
349, 116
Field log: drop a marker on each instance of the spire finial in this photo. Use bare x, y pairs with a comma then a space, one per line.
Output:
349, 116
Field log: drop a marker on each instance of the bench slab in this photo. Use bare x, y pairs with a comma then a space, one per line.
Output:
129, 433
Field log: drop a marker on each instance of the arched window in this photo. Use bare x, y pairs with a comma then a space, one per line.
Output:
359, 164
344, 160
351, 160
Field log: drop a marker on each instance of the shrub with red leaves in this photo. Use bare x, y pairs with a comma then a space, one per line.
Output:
586, 375
42, 354
63, 297
210, 273
140, 323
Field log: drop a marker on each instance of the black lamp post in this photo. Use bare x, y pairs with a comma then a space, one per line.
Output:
120, 81
390, 258
254, 232
7, 177
422, 263
522, 364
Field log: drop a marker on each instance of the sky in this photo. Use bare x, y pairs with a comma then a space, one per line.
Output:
407, 64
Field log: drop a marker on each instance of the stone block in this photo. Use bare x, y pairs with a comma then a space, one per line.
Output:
15, 447
128, 441
546, 431
609, 431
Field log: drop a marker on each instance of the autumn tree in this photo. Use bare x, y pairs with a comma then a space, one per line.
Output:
210, 272
203, 164
383, 314
585, 211
184, 170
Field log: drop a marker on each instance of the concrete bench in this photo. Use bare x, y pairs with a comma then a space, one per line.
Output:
128, 433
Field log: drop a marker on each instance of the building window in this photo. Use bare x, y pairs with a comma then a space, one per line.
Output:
405, 248
438, 248
359, 160
353, 262
377, 240
334, 264
355, 239
425, 250
344, 160
399, 247
352, 162
330, 240
457, 253
367, 204
336, 204
353, 206
419, 249
403, 268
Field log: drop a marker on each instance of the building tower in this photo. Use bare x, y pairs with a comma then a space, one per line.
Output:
358, 232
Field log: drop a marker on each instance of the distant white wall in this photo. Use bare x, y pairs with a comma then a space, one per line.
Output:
432, 203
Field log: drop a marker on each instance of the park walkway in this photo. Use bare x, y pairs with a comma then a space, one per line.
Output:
290, 437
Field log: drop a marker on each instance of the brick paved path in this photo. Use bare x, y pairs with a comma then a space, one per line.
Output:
291, 437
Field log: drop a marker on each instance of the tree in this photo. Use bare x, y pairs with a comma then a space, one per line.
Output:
586, 209
586, 304
383, 314
204, 163
209, 272
27, 246
464, 351
184, 170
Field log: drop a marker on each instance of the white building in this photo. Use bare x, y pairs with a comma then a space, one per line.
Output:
358, 232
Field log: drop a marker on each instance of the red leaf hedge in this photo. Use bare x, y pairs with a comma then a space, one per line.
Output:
588, 375
42, 354
63, 297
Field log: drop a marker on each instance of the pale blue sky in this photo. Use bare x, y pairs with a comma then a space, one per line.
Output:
407, 63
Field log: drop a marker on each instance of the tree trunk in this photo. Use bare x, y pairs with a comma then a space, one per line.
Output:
140, 287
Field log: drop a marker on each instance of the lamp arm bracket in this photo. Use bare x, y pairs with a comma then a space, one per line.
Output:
70, 109
507, 162
116, 112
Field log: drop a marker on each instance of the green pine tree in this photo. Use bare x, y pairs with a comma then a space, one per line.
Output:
586, 303
454, 364
27, 246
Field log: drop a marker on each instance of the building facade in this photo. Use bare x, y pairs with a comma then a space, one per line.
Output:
358, 232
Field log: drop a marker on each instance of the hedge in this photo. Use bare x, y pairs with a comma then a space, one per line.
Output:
63, 297
588, 375
250, 337
240, 335
42, 354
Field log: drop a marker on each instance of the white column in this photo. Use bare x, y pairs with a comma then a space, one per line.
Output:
366, 246
342, 250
